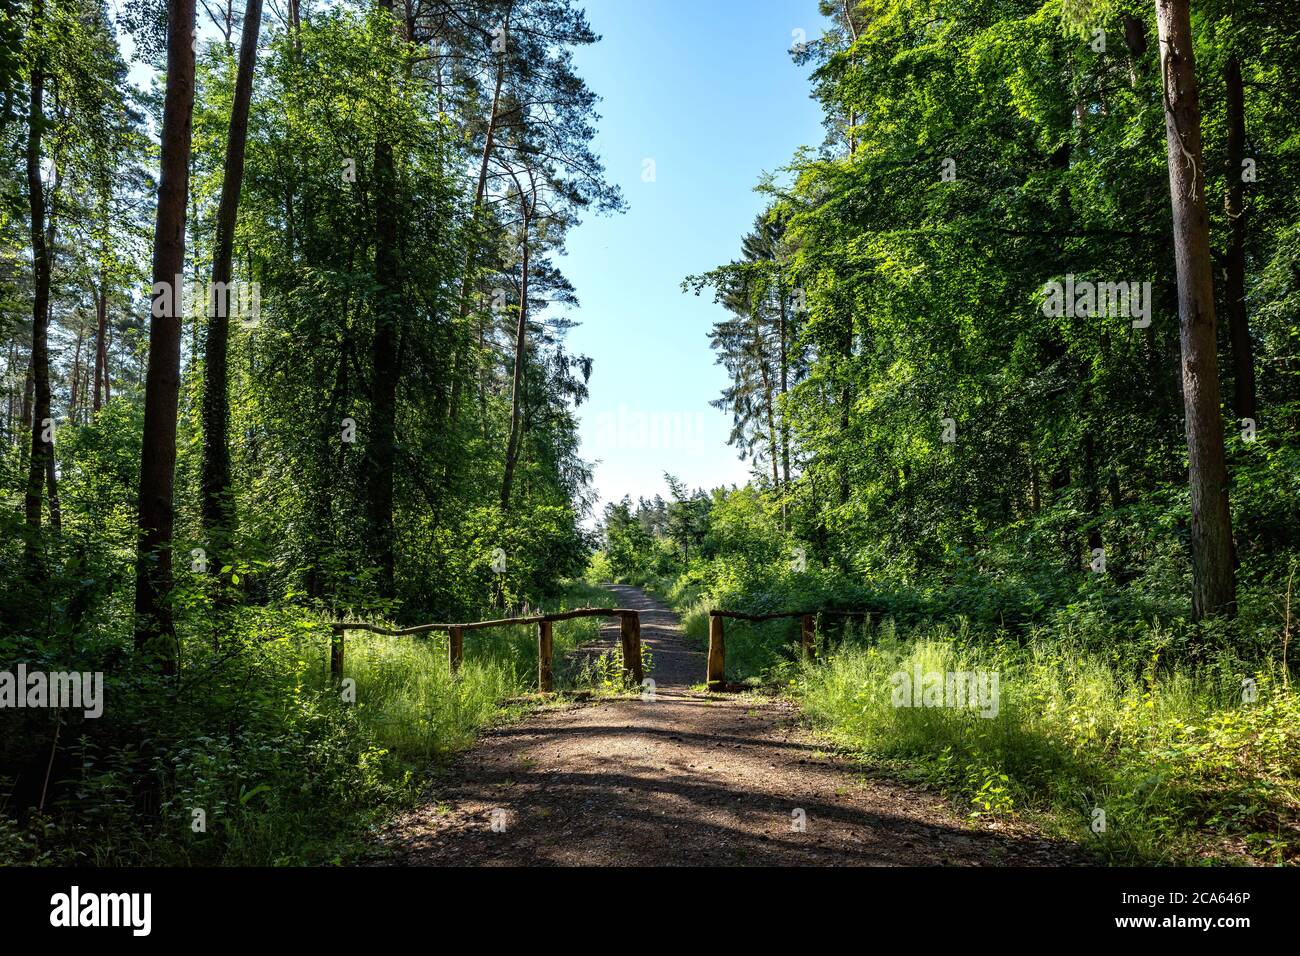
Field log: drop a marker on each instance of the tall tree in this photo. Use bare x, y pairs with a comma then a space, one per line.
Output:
385, 355
154, 624
217, 508
1214, 579
42, 449
101, 381
527, 213
500, 45
754, 344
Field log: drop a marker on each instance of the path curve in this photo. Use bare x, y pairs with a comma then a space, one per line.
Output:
685, 779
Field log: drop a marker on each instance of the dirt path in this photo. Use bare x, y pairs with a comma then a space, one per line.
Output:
684, 779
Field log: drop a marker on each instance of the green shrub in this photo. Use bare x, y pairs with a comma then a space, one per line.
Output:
283, 766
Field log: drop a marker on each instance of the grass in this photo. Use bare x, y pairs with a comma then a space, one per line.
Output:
262, 759
1183, 765
1120, 725
1098, 737
407, 698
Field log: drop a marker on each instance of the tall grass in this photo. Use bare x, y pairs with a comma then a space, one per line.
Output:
1098, 735
406, 695
1181, 762
262, 759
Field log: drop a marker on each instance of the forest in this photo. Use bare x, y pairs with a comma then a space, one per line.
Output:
1012, 355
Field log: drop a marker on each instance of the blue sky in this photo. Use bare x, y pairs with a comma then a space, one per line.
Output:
707, 90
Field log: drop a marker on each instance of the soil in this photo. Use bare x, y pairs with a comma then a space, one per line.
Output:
687, 778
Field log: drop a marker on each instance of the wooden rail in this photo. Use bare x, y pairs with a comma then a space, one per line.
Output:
630, 634
717, 665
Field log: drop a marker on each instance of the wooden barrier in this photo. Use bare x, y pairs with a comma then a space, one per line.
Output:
455, 647
336, 655
717, 665
629, 632
630, 635
545, 653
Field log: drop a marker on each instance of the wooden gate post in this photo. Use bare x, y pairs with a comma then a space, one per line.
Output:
336, 655
808, 639
455, 647
717, 675
544, 652
631, 637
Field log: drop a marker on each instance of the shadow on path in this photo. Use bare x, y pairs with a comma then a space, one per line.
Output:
684, 778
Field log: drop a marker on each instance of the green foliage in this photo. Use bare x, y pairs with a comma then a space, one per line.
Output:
884, 327
287, 767
1182, 767
250, 730
628, 546
605, 672
1004, 487
453, 568
1109, 697
929, 444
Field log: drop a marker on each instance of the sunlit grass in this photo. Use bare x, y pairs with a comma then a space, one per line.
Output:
407, 697
1171, 756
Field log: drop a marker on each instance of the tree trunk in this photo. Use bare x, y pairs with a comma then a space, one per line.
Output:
769, 411
467, 274
76, 376
1135, 40
1035, 487
41, 450
1214, 585
108, 371
1059, 484
52, 490
101, 347
29, 392
11, 396
381, 451
1243, 351
216, 507
1091, 488
516, 392
785, 388
154, 629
